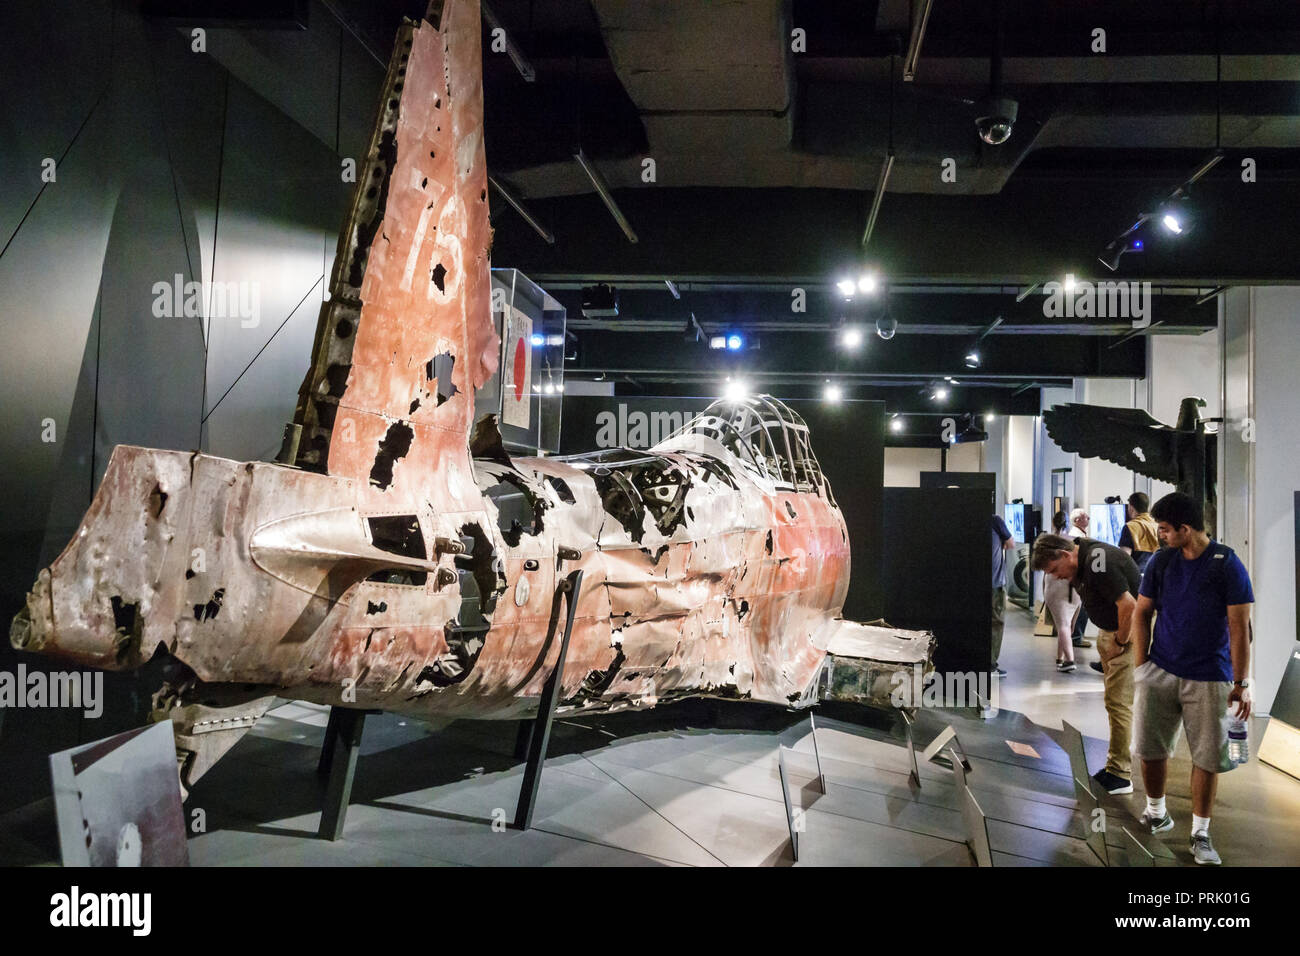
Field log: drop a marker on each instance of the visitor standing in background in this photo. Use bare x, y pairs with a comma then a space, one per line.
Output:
1139, 539
1002, 543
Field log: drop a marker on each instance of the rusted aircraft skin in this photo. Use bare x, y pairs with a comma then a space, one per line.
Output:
390, 568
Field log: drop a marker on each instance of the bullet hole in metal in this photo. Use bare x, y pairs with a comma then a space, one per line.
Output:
373, 608
343, 328
790, 510
519, 511
157, 501
397, 534
561, 489
482, 575
439, 277
189, 573
336, 378
424, 182
208, 611
414, 405
439, 368
392, 449
768, 546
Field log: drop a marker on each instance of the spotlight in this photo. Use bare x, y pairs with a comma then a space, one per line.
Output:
1116, 248
886, 326
895, 424
832, 393
548, 389
555, 340
846, 287
735, 342
972, 359
537, 388
988, 415
718, 342
939, 394
1069, 282
867, 283
851, 337
735, 391
537, 340
1172, 223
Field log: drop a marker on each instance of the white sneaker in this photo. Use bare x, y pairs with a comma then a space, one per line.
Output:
1203, 850
1155, 824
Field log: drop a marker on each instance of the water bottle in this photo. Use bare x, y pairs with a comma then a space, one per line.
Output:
1238, 740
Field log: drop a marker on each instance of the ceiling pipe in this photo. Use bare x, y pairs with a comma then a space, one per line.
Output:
602, 189
517, 57
517, 205
914, 44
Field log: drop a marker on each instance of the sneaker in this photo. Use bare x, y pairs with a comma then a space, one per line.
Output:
1153, 824
1080, 642
1065, 667
1096, 665
1203, 850
1113, 783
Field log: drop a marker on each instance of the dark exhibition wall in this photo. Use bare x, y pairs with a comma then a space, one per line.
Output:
170, 167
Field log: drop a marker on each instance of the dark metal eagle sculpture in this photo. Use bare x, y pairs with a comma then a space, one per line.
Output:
1185, 456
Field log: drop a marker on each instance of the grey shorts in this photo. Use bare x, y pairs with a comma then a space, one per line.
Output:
1164, 704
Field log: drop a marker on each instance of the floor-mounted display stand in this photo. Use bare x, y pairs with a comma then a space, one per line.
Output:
540, 734
945, 737
338, 758
342, 745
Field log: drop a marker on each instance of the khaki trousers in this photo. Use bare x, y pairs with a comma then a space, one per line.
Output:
1118, 676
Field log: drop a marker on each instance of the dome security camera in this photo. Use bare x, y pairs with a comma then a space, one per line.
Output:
886, 326
996, 119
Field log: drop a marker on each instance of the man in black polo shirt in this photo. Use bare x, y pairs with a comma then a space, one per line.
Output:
1107, 580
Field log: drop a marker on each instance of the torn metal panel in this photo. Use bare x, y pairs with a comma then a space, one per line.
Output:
401, 563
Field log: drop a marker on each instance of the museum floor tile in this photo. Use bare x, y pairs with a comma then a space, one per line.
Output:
696, 783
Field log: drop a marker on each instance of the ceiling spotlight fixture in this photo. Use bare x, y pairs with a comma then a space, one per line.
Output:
851, 337
972, 358
735, 342
886, 326
537, 340
939, 394
548, 389
718, 342
895, 424
1069, 282
735, 391
1172, 221
832, 393
867, 283
988, 415
1116, 248
847, 287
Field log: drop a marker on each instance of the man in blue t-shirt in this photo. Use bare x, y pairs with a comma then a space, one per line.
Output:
1196, 666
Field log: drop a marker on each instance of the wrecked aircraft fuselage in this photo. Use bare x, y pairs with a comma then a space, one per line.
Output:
402, 563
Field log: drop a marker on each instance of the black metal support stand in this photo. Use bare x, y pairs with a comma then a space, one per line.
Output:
343, 731
523, 738
539, 735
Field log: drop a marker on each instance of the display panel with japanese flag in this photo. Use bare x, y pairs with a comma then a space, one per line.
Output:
517, 378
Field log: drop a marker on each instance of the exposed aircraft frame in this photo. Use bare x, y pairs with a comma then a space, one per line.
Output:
404, 561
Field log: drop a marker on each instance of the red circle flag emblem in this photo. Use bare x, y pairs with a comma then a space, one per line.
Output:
521, 367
